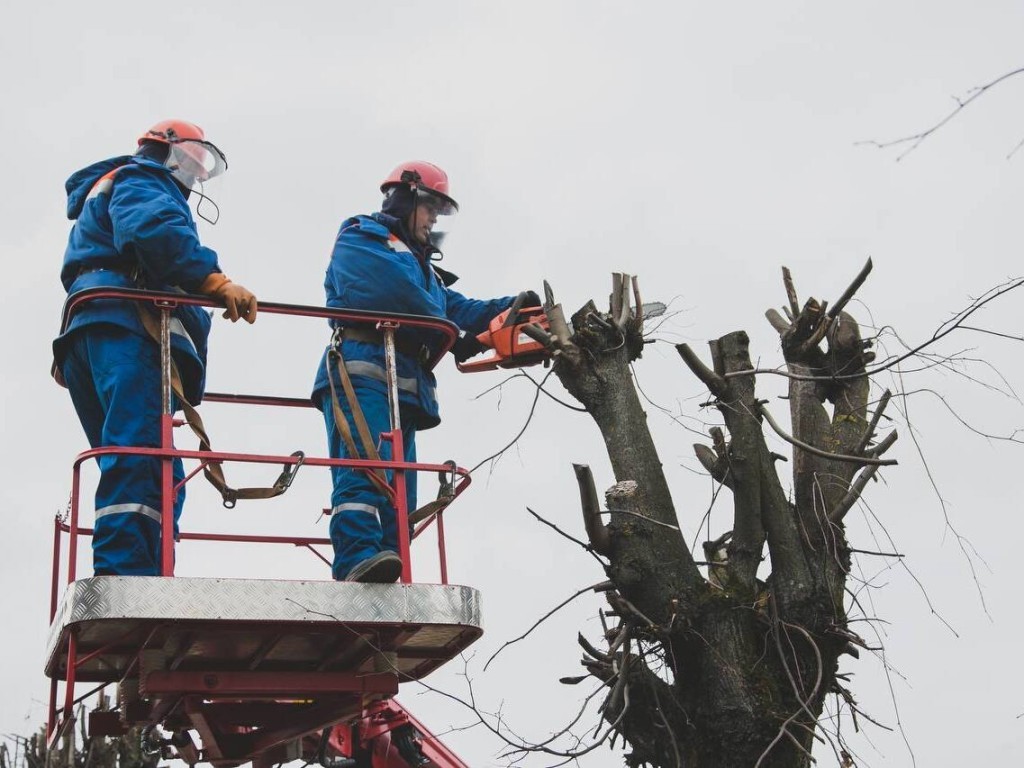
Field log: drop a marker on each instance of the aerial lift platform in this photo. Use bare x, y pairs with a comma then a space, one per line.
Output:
226, 671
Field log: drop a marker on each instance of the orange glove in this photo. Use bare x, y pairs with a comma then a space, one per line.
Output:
240, 302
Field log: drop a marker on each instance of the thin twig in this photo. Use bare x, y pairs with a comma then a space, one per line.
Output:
529, 418
591, 550
541, 620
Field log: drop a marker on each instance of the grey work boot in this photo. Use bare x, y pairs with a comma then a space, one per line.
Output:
383, 568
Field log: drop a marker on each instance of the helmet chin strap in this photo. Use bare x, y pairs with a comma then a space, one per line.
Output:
206, 199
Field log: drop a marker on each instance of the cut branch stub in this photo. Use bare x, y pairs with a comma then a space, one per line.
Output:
596, 531
639, 312
715, 461
561, 335
797, 343
715, 383
709, 460
615, 300
787, 281
624, 312
731, 355
777, 321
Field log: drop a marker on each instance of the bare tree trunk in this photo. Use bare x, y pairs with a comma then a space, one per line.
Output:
724, 669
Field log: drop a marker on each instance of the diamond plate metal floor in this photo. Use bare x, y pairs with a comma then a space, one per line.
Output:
247, 625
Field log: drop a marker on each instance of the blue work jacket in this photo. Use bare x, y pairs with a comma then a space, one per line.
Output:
372, 271
134, 229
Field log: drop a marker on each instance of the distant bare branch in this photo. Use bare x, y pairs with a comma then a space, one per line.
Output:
915, 139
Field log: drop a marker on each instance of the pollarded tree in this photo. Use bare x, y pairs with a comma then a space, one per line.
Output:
728, 661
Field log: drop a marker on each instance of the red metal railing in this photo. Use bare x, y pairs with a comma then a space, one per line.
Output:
165, 303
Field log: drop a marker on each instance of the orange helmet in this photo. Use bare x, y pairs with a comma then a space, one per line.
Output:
168, 131
191, 158
423, 177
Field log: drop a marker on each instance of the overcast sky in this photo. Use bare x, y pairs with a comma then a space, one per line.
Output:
698, 145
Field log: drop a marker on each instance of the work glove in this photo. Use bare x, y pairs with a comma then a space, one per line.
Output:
239, 302
466, 347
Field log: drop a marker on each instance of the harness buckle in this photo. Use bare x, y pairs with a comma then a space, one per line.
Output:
284, 482
446, 481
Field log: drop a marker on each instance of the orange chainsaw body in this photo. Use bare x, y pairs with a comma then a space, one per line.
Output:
510, 347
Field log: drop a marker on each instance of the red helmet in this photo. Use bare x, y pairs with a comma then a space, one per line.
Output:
167, 131
423, 177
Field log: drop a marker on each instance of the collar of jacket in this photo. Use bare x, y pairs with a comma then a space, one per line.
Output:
398, 231
399, 246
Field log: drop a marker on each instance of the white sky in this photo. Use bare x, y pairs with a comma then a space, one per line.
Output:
698, 145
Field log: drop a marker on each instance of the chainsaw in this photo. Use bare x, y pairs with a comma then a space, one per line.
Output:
510, 347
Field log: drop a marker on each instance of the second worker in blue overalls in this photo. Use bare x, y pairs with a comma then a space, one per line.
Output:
383, 263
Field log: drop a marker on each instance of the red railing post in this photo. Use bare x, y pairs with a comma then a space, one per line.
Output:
442, 555
70, 675
401, 506
51, 717
56, 567
166, 444
73, 524
390, 327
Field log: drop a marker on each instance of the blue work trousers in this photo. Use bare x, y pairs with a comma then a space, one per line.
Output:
363, 521
113, 375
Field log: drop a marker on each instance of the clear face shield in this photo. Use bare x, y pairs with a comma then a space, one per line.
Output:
429, 206
194, 163
437, 204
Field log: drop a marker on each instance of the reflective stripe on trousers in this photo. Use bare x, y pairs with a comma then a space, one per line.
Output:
140, 509
355, 507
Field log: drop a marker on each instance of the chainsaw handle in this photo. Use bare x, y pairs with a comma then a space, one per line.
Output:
513, 312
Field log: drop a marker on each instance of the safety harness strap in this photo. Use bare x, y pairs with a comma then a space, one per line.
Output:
377, 476
212, 470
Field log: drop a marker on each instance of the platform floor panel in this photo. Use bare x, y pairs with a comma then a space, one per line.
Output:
263, 625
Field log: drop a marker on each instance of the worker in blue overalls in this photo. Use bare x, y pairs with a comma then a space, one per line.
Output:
134, 229
385, 262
